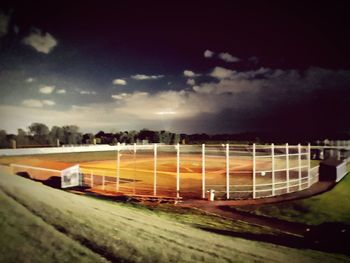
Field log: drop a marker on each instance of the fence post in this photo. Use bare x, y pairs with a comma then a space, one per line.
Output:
299, 165
308, 165
287, 167
227, 171
134, 160
203, 170
338, 150
118, 166
178, 170
273, 168
91, 179
254, 168
103, 182
155, 171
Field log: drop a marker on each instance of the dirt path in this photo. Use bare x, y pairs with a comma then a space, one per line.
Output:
299, 235
317, 188
226, 209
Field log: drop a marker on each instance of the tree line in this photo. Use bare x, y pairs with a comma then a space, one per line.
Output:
40, 135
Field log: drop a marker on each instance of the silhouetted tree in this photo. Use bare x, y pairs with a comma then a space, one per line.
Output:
40, 133
88, 138
4, 143
22, 138
56, 133
72, 134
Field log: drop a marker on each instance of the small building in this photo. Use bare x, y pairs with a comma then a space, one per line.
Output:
332, 170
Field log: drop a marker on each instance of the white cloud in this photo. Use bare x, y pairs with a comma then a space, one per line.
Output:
191, 82
119, 82
61, 91
172, 104
119, 96
48, 102
222, 73
43, 43
34, 103
231, 81
232, 86
47, 89
146, 77
208, 54
87, 92
228, 57
30, 80
80, 108
4, 24
190, 74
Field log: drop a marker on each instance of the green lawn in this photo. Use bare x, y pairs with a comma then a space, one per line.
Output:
332, 206
124, 233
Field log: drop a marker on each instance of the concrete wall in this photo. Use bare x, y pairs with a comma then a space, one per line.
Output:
72, 149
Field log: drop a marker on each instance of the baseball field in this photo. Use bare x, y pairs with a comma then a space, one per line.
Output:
166, 174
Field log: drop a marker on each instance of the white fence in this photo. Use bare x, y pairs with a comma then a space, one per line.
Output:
190, 171
233, 171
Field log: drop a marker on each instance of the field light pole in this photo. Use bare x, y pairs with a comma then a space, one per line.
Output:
203, 170
155, 170
227, 171
273, 168
287, 166
299, 165
254, 169
118, 167
178, 170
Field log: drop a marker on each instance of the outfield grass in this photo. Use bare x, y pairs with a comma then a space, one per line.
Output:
332, 206
125, 233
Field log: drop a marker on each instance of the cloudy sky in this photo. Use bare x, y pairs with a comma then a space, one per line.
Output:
192, 67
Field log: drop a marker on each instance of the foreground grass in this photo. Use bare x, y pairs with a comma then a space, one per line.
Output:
332, 206
199, 219
128, 234
27, 238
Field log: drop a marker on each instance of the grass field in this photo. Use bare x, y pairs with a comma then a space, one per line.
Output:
332, 206
51, 225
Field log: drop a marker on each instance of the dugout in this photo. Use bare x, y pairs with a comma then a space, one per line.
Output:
332, 170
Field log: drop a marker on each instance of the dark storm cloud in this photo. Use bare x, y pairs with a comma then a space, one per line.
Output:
267, 99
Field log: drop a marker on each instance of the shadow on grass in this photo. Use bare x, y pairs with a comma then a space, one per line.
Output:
53, 181
328, 237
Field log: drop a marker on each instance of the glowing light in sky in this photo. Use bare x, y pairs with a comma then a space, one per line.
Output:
166, 113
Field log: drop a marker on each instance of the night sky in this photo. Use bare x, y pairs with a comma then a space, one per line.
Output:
214, 67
